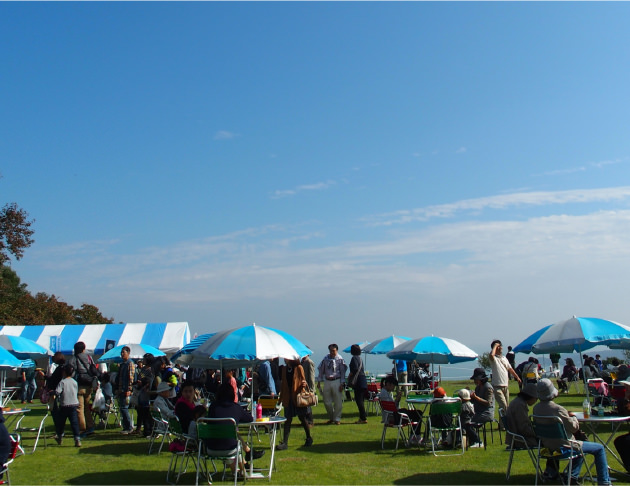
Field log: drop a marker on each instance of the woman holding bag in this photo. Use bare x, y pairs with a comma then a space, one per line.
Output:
293, 382
356, 379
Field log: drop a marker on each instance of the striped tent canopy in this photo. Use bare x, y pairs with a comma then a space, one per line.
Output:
168, 337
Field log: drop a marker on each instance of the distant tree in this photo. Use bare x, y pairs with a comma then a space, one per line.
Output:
484, 361
89, 314
19, 307
15, 232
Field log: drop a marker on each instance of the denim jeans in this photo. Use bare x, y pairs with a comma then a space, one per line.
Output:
601, 464
64, 414
123, 403
28, 390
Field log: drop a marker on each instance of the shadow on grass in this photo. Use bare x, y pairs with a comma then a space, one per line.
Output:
114, 477
463, 477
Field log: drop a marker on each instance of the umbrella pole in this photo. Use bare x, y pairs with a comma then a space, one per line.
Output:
583, 374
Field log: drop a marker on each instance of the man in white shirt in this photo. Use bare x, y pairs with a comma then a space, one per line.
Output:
501, 369
332, 371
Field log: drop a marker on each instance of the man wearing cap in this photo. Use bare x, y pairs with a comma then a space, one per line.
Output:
501, 370
546, 408
332, 371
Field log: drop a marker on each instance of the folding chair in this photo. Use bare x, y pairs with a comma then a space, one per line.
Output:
182, 455
15, 447
448, 406
217, 428
401, 423
372, 398
482, 431
515, 442
551, 427
161, 427
271, 405
37, 430
575, 383
598, 390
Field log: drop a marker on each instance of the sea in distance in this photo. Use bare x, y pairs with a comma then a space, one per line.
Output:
379, 364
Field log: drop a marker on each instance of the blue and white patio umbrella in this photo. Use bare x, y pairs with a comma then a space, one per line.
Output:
384, 345
434, 350
241, 346
362, 345
137, 351
23, 348
8, 361
185, 357
576, 334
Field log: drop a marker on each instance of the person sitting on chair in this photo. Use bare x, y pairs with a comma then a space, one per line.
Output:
389, 385
569, 373
225, 407
547, 407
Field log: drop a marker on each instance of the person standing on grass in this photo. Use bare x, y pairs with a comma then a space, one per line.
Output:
67, 392
292, 382
358, 381
126, 375
501, 370
51, 383
29, 384
332, 371
85, 372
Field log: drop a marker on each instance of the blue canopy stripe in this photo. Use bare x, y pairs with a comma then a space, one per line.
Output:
526, 345
192, 345
168, 337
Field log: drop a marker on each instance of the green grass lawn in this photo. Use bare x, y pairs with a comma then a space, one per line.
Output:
345, 454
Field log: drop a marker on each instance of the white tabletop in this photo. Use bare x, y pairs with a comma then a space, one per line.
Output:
596, 418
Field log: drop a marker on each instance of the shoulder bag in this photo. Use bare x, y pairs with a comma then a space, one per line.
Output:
306, 398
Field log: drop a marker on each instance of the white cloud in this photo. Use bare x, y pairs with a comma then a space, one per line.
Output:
225, 135
503, 201
320, 186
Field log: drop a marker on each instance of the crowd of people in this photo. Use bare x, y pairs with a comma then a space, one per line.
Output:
175, 392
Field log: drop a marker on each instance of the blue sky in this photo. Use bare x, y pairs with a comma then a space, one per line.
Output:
338, 170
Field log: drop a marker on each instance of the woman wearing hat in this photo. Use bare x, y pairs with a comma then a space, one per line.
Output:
162, 404
517, 415
483, 397
548, 408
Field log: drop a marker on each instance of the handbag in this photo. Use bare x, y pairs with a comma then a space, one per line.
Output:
306, 398
45, 395
354, 377
133, 399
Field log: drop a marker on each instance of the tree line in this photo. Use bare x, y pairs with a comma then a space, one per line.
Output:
18, 306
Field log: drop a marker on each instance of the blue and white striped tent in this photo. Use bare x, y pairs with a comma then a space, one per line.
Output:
168, 337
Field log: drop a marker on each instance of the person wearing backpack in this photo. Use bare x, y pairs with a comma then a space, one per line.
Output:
86, 376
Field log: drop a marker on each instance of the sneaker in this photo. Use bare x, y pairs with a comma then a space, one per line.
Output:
58, 439
90, 431
476, 445
255, 454
361, 422
77, 443
282, 446
127, 432
309, 442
